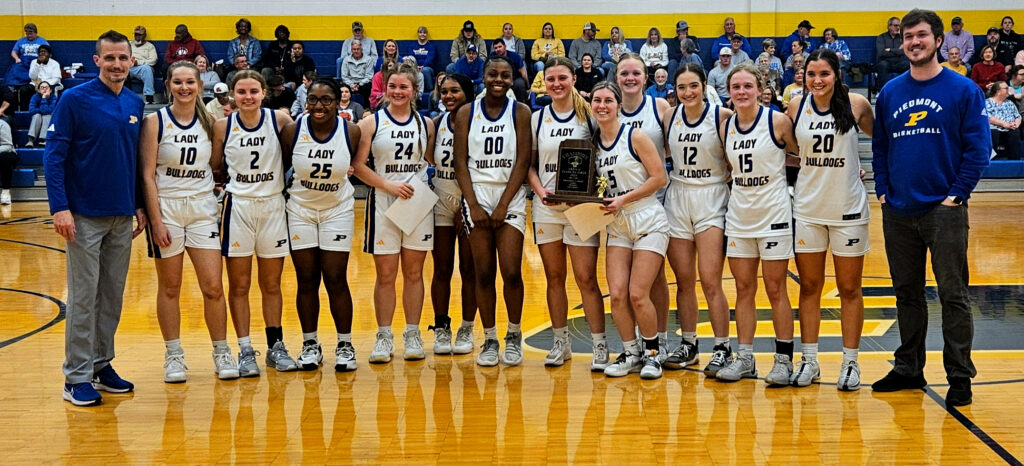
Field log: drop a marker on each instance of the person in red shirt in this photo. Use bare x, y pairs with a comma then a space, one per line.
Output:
183, 47
988, 71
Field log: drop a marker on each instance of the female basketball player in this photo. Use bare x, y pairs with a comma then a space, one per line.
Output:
253, 219
455, 90
757, 221
399, 139
175, 163
638, 237
567, 117
644, 112
492, 155
320, 145
695, 203
830, 206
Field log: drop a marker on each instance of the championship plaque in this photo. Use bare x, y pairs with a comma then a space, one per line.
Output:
576, 180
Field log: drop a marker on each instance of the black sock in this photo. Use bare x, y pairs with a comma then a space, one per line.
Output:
651, 344
784, 347
442, 321
274, 335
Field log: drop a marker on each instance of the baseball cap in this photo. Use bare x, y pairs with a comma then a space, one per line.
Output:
468, 26
805, 24
725, 51
220, 89
471, 48
992, 29
682, 24
357, 25
590, 27
737, 37
957, 20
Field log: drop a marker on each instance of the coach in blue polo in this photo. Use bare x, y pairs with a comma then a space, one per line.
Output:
91, 173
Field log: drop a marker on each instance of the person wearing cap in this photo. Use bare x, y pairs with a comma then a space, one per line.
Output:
220, 98
739, 56
1009, 43
890, 60
145, 55
959, 38
471, 66
676, 50
461, 43
719, 75
245, 44
991, 38
369, 48
725, 40
183, 47
586, 44
802, 32
17, 80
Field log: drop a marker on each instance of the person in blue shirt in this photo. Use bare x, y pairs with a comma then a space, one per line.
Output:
931, 143
91, 182
24, 51
831, 41
802, 32
424, 51
471, 66
41, 108
725, 40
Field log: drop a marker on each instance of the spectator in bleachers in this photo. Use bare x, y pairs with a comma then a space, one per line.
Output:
547, 46
739, 56
17, 80
616, 47
209, 77
296, 66
797, 49
539, 89
769, 99
230, 107
719, 75
958, 38
676, 53
245, 44
831, 41
988, 71
955, 62
241, 62
183, 47
689, 54
299, 106
220, 98
519, 77
768, 45
771, 77
146, 57
1009, 43
586, 76
277, 51
1016, 82
654, 53
461, 44
41, 107
660, 87
368, 45
470, 66
45, 69
279, 97
1019, 60
586, 44
379, 83
794, 89
27, 48
411, 61
802, 33
8, 160
890, 60
725, 40
512, 43
433, 101
8, 104
357, 71
1004, 122
347, 108
425, 53
789, 76
390, 50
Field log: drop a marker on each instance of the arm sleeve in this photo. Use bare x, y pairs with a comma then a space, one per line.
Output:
33, 104
257, 50
199, 49
58, 143
976, 144
606, 51
33, 70
232, 50
966, 55
879, 48
168, 55
573, 52
880, 150
845, 50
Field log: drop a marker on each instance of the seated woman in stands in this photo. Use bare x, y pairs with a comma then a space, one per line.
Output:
41, 107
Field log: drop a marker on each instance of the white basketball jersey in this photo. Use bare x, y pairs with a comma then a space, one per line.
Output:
829, 190
549, 130
621, 164
492, 143
182, 157
698, 157
646, 118
321, 167
398, 149
253, 156
759, 205
444, 171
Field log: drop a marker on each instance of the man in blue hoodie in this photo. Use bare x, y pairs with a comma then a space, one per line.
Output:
930, 147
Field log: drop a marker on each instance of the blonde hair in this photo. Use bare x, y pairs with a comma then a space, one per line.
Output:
205, 119
579, 104
631, 56
412, 73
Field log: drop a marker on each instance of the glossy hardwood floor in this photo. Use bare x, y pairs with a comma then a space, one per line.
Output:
447, 409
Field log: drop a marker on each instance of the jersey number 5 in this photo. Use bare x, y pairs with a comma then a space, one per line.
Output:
746, 165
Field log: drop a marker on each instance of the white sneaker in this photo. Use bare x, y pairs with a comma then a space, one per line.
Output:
383, 349
560, 353
488, 356
807, 371
743, 367
781, 371
849, 377
311, 356
624, 364
463, 341
443, 340
601, 358
225, 367
513, 354
174, 367
651, 367
5, 197
413, 345
346, 354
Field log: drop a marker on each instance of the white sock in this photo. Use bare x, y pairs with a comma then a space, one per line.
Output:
599, 338
174, 346
244, 343
690, 337
386, 329
662, 338
308, 336
809, 350
346, 337
850, 354
722, 341
467, 323
561, 333
221, 346
514, 328
747, 351
491, 333
631, 347
412, 327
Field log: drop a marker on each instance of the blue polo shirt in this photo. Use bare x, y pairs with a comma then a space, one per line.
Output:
92, 151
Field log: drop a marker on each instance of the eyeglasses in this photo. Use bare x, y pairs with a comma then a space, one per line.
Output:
325, 101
